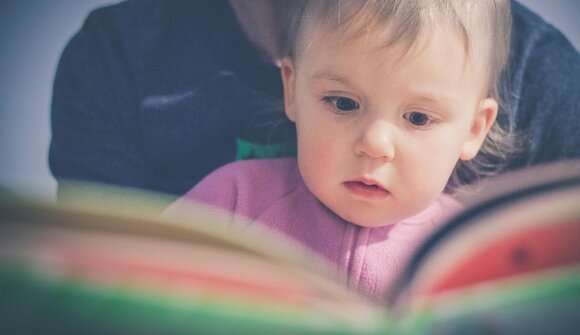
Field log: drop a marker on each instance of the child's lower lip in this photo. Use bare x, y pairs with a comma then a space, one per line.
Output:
366, 191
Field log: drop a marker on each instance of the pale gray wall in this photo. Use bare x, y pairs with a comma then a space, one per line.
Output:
32, 35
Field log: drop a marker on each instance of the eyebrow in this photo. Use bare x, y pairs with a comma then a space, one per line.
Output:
328, 75
433, 98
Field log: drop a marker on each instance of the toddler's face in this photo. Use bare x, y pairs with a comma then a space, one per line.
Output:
380, 131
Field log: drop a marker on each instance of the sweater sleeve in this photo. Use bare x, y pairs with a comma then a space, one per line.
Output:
90, 138
246, 189
217, 191
543, 91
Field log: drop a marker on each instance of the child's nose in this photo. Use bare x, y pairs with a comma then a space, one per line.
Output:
376, 141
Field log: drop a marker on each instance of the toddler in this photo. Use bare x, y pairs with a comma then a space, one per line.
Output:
392, 101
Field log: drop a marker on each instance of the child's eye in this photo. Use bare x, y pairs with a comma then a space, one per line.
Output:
419, 119
342, 104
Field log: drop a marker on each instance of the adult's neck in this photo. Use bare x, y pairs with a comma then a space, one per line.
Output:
260, 21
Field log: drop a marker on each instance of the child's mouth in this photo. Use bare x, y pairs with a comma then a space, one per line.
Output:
365, 190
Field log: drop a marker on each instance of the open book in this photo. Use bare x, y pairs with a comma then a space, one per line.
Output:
106, 264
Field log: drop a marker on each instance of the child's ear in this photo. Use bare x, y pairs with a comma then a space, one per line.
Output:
484, 119
288, 79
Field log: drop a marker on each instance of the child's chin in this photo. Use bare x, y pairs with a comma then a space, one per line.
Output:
373, 222
367, 218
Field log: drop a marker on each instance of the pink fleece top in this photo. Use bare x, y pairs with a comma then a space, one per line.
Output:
272, 193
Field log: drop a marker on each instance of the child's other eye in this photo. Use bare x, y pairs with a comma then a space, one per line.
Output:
419, 119
342, 104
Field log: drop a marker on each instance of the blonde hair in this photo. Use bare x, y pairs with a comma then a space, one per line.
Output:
483, 25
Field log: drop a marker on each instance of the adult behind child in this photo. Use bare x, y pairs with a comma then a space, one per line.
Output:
157, 94
390, 99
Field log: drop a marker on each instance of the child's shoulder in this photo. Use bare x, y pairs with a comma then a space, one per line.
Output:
260, 168
264, 163
247, 187
256, 177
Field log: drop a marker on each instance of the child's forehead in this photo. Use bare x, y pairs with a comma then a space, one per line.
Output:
379, 42
433, 55
372, 30
403, 27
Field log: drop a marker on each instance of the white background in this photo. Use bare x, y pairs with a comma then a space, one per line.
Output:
32, 36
